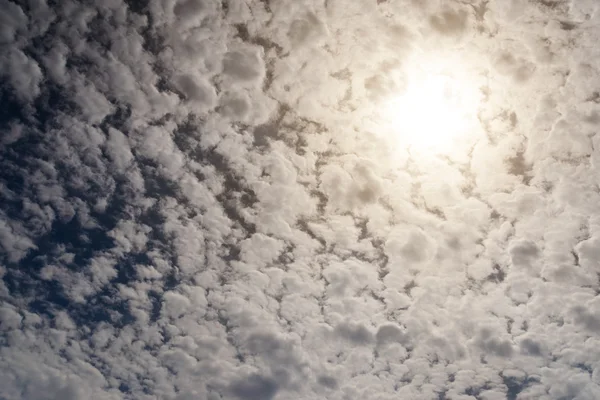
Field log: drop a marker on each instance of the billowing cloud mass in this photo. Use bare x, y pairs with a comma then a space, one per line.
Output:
198, 201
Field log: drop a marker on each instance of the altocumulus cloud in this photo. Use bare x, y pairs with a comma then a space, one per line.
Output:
193, 206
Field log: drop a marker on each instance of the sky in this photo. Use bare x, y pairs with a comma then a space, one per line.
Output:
312, 199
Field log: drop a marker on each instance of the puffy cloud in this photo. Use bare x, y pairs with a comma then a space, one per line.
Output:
199, 200
22, 73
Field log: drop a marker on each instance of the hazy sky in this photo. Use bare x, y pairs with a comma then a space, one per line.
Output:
274, 199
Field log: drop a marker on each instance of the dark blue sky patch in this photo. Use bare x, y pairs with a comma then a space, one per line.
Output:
515, 386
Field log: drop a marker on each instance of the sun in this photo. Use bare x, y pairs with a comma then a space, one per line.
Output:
435, 113
428, 113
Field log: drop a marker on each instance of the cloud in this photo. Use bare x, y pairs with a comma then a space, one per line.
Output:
255, 387
23, 74
199, 200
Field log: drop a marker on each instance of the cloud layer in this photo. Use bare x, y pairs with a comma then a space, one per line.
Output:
196, 203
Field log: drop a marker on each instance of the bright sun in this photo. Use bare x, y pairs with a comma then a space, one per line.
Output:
435, 113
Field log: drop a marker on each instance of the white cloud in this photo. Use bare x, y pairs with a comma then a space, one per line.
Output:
243, 65
13, 21
199, 202
15, 244
23, 74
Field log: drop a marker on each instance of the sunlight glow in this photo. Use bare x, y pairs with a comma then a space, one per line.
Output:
435, 113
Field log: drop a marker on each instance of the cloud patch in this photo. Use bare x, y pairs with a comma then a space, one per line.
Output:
198, 200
